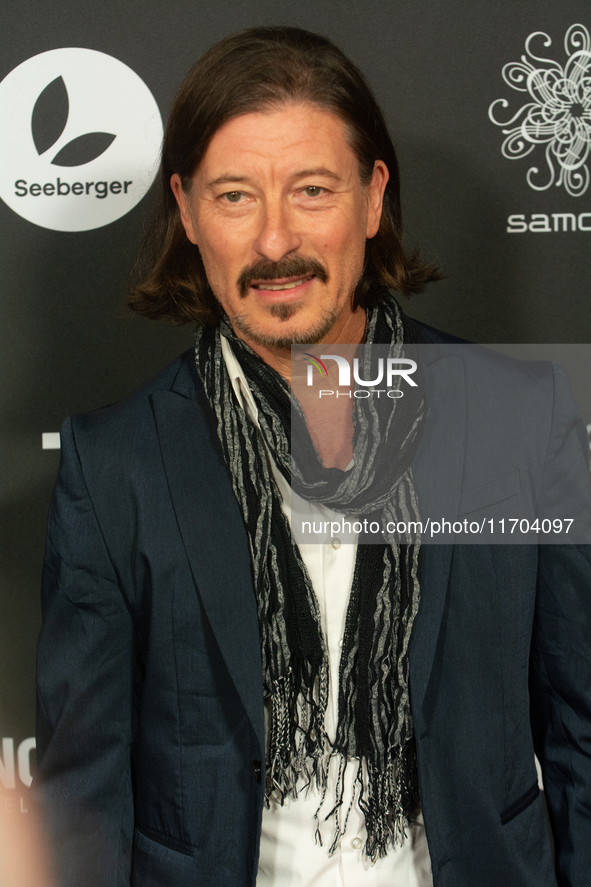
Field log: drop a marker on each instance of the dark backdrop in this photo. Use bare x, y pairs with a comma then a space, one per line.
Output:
436, 67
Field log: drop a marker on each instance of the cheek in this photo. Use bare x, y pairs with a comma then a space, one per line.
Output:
342, 242
353, 227
217, 255
352, 247
220, 249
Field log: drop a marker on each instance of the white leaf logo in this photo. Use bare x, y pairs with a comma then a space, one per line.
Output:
48, 122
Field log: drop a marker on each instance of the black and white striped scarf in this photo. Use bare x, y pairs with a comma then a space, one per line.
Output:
375, 727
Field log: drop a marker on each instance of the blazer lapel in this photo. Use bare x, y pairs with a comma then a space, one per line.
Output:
213, 534
215, 539
437, 470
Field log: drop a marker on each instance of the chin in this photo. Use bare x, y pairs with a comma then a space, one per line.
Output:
282, 333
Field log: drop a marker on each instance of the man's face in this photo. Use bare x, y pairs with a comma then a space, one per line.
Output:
280, 217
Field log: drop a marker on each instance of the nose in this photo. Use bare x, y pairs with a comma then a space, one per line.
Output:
277, 235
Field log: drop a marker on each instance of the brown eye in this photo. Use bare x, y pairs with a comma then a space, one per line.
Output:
233, 196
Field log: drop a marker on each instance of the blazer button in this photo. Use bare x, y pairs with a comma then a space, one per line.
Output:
256, 766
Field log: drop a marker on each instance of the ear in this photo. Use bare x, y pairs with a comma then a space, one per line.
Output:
375, 194
183, 202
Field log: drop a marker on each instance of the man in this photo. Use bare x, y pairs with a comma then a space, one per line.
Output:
186, 640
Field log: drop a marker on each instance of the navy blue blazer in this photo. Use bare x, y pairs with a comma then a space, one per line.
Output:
150, 707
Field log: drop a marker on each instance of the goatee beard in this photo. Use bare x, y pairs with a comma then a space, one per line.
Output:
240, 322
291, 266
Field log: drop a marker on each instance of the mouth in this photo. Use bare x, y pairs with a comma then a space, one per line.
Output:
281, 284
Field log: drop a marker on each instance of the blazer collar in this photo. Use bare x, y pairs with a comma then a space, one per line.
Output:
212, 530
216, 542
437, 471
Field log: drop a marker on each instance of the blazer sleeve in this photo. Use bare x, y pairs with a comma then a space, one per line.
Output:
560, 674
86, 669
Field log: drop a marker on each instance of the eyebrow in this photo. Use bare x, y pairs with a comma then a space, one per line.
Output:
226, 180
317, 171
302, 174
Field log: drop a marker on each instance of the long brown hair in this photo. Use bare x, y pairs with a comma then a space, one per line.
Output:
255, 70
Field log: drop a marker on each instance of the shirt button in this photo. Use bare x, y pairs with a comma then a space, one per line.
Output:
341, 642
356, 843
336, 543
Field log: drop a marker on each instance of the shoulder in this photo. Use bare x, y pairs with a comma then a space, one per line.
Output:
489, 364
128, 425
180, 375
430, 335
506, 400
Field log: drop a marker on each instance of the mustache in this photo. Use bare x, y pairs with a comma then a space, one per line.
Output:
294, 266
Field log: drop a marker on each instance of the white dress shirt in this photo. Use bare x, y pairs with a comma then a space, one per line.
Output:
289, 854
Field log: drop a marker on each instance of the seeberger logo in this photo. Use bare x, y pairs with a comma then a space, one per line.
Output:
81, 139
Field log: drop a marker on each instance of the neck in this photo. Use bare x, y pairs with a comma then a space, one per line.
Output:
330, 424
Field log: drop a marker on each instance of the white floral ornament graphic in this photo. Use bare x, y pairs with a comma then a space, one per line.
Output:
559, 115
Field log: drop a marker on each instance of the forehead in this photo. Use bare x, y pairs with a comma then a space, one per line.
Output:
284, 140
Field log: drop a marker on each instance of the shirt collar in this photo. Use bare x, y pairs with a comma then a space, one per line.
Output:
239, 383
